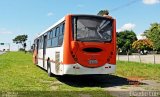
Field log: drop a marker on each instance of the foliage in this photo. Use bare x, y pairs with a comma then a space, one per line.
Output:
21, 39
21, 49
103, 12
153, 33
144, 44
125, 40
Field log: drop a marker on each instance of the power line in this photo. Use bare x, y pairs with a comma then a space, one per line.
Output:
125, 5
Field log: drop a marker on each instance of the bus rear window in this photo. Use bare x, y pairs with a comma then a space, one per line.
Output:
93, 28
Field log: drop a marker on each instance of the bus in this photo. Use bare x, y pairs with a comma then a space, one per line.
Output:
77, 45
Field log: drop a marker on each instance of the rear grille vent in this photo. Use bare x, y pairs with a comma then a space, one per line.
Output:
92, 50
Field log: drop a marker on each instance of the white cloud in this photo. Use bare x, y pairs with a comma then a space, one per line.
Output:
151, 1
4, 31
140, 36
50, 14
128, 26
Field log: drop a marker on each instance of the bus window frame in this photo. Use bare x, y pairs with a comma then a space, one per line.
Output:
51, 34
74, 27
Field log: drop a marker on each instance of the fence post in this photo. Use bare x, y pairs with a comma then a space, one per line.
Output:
117, 53
118, 56
154, 57
128, 55
139, 57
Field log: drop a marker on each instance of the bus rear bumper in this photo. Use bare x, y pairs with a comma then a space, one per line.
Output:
77, 69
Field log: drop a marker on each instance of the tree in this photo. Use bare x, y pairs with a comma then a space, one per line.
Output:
153, 33
144, 44
21, 39
103, 12
125, 40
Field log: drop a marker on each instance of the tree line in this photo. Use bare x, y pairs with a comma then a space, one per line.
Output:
127, 41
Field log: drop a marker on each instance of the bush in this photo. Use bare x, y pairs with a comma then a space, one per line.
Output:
124, 53
21, 49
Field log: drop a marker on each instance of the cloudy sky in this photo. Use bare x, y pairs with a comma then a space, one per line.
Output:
32, 17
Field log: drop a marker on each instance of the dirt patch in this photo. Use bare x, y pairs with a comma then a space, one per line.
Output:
151, 85
55, 85
129, 90
116, 85
84, 95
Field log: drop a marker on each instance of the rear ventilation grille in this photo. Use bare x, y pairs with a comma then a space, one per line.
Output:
92, 50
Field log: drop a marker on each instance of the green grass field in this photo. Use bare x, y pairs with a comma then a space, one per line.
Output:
135, 69
20, 77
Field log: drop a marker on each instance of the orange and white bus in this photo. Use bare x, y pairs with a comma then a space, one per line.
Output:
78, 45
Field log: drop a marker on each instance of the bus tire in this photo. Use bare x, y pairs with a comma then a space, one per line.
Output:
49, 69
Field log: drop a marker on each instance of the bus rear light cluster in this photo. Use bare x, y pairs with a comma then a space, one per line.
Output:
110, 56
74, 57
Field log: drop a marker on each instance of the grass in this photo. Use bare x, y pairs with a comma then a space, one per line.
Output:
18, 73
135, 69
19, 77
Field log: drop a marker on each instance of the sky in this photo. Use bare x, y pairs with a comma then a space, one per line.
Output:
31, 17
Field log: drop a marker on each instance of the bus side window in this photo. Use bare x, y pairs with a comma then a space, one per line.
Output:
49, 39
55, 38
48, 33
39, 45
53, 33
42, 39
60, 39
50, 36
57, 31
61, 29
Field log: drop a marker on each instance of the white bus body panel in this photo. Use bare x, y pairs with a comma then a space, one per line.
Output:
77, 69
51, 53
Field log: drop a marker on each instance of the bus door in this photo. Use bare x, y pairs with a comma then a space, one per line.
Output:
44, 49
37, 48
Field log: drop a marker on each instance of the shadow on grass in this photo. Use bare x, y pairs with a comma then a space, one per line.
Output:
102, 81
96, 80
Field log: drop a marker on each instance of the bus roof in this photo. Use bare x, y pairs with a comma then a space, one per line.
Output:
61, 20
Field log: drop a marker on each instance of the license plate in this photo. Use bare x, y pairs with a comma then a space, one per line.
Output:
93, 62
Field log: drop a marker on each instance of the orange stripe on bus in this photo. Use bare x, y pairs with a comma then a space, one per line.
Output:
67, 56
